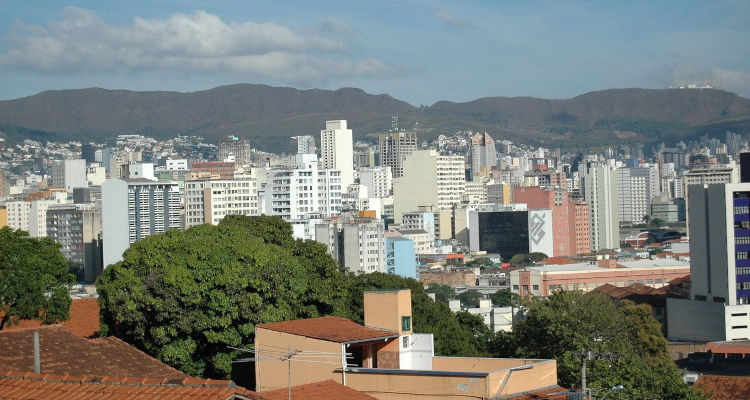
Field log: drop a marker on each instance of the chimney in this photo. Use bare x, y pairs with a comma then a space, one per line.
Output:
37, 357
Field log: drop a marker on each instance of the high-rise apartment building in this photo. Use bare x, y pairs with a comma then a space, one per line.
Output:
234, 147
394, 147
563, 217
358, 244
294, 192
78, 230
429, 179
337, 150
69, 174
483, 154
633, 194
208, 201
135, 209
379, 181
306, 144
719, 304
600, 188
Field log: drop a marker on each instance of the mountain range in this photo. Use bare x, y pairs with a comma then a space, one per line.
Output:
270, 115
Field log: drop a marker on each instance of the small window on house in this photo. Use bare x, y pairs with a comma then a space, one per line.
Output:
535, 287
405, 341
526, 288
515, 287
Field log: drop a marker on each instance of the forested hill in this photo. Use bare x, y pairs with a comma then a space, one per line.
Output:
270, 115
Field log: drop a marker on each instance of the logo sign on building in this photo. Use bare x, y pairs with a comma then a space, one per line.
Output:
540, 232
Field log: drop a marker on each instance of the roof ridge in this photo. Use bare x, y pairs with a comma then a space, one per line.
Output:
119, 342
17, 329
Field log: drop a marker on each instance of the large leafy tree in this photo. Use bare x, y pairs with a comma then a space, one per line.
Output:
451, 338
442, 291
184, 297
627, 344
505, 298
34, 279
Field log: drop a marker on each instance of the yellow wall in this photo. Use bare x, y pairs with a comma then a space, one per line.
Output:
384, 309
3, 217
544, 374
272, 374
475, 364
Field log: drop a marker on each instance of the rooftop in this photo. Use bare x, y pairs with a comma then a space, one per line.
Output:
84, 319
63, 353
617, 292
721, 387
17, 385
591, 267
317, 391
552, 393
332, 329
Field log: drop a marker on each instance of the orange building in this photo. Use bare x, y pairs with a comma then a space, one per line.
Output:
385, 358
570, 224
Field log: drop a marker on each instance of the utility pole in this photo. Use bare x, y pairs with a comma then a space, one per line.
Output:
587, 355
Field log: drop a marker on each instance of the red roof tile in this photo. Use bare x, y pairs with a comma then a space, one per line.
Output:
17, 385
332, 329
739, 347
84, 319
718, 387
317, 391
558, 260
678, 281
552, 393
63, 353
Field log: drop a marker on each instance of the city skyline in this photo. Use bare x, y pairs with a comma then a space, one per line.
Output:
416, 51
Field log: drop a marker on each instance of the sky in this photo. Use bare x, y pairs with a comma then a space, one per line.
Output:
418, 51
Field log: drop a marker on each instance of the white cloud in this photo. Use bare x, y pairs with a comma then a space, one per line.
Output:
451, 19
199, 42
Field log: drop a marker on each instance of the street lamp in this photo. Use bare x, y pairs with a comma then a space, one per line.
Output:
614, 388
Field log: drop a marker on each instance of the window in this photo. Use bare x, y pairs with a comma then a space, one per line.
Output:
699, 297
405, 341
526, 288
739, 327
552, 287
535, 287
515, 287
406, 323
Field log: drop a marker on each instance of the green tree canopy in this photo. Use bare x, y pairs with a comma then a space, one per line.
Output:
505, 298
442, 292
524, 259
470, 298
183, 297
633, 348
34, 279
451, 339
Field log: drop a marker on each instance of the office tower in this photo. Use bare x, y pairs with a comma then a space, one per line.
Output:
78, 230
69, 174
337, 151
234, 147
744, 167
133, 210
719, 304
509, 229
633, 194
208, 201
378, 180
563, 215
394, 148
483, 153
600, 188
88, 152
431, 180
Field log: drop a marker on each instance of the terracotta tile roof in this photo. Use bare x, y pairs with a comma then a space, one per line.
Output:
84, 319
678, 281
551, 393
64, 353
627, 291
332, 329
558, 261
17, 385
739, 347
317, 391
718, 387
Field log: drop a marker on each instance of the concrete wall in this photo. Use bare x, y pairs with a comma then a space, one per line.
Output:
385, 309
695, 320
115, 238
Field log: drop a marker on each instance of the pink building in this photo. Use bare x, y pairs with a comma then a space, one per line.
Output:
570, 222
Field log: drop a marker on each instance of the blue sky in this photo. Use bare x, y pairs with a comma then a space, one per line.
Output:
417, 51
